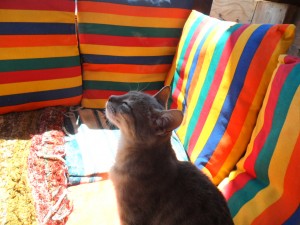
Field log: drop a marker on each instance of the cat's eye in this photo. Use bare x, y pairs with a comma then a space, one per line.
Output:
126, 105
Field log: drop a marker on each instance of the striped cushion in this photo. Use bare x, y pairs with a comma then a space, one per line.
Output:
265, 187
39, 58
127, 45
219, 78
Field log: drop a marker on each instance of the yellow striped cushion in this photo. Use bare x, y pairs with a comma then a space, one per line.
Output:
127, 45
265, 187
219, 78
39, 57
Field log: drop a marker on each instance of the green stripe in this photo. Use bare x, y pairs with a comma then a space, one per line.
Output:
241, 197
37, 64
120, 86
290, 86
88, 28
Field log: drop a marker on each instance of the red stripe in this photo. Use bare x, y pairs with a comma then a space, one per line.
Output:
37, 40
39, 75
175, 95
262, 136
100, 94
37, 105
57, 5
288, 59
127, 41
139, 11
252, 82
215, 86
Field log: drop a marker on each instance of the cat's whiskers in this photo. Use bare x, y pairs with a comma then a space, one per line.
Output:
143, 89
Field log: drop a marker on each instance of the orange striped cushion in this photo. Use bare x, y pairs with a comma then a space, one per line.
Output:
219, 78
127, 45
265, 187
39, 57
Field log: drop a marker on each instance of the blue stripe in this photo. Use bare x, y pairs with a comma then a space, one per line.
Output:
185, 4
138, 60
234, 90
12, 28
17, 99
74, 160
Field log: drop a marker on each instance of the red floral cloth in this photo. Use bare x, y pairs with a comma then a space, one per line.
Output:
47, 170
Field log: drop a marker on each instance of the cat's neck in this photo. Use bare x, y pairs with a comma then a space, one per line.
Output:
131, 143
145, 157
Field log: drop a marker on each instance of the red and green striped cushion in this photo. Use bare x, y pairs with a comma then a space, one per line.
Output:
127, 45
219, 78
39, 57
265, 187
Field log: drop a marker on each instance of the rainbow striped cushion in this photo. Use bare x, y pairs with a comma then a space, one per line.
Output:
39, 57
219, 78
265, 188
127, 45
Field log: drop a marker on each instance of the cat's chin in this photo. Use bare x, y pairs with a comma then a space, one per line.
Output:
112, 119
110, 113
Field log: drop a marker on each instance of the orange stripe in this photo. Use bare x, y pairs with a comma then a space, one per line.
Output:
124, 68
37, 40
290, 195
37, 105
118, 9
240, 112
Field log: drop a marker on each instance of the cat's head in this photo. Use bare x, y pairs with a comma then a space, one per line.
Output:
143, 116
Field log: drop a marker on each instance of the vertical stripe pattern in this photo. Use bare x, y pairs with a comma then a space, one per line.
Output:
219, 78
39, 57
127, 45
265, 187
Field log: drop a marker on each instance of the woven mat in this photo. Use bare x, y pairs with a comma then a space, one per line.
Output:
32, 170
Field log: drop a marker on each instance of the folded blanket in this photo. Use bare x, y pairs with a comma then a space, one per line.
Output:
90, 152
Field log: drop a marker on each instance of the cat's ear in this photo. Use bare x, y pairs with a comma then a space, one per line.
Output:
163, 95
168, 121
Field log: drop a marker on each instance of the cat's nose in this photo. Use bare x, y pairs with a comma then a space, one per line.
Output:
113, 98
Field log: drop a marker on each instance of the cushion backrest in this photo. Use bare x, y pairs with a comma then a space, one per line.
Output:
219, 79
264, 189
39, 57
127, 45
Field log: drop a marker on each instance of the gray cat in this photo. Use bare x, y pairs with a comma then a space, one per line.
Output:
152, 186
